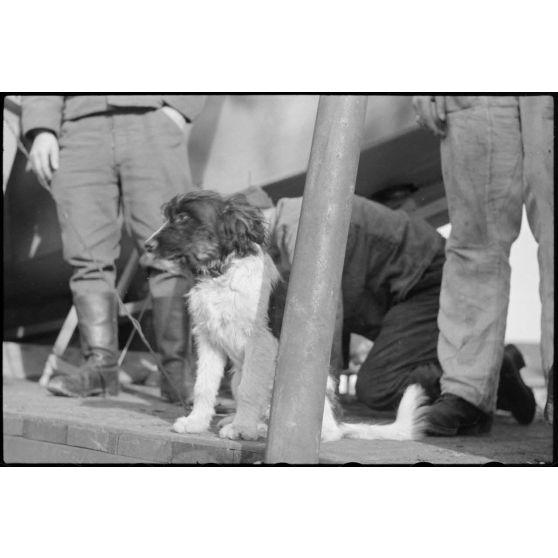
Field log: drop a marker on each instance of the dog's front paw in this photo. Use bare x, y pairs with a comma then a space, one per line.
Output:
225, 420
190, 424
235, 431
332, 433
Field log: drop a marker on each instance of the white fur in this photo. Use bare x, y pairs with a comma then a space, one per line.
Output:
410, 421
229, 314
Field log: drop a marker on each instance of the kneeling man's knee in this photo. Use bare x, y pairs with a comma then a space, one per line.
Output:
376, 395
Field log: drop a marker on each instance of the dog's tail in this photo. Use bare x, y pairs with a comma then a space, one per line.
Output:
410, 422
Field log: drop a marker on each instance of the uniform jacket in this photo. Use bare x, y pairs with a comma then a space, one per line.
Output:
49, 111
387, 253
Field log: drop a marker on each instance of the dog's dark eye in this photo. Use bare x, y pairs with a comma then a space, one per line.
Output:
181, 218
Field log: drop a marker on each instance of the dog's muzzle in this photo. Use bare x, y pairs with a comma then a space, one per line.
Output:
148, 258
151, 245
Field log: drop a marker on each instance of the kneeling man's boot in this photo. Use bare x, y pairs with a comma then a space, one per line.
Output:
172, 333
451, 415
98, 326
514, 394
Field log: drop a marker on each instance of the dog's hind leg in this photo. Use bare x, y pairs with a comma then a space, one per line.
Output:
331, 430
228, 433
254, 390
211, 366
235, 381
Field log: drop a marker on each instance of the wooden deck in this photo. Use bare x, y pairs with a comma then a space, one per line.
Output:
134, 428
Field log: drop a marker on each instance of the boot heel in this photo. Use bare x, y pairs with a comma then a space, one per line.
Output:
112, 390
483, 426
111, 385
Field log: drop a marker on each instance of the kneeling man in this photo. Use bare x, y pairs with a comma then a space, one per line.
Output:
391, 284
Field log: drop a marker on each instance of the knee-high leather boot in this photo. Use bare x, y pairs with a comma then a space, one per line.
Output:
171, 323
98, 326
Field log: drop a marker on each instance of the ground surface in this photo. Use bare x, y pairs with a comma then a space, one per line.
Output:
135, 428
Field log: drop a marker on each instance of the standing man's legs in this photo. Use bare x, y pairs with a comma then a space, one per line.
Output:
537, 131
482, 168
87, 194
154, 168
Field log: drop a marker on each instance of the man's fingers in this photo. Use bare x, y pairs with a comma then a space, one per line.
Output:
45, 161
44, 156
36, 165
430, 117
43, 165
421, 106
431, 112
440, 110
433, 121
426, 115
54, 158
441, 107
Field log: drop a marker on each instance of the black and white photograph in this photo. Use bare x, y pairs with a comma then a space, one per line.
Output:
264, 279
278, 279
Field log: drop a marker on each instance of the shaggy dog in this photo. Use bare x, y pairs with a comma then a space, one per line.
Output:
221, 241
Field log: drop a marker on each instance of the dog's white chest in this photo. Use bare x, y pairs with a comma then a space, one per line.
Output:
228, 308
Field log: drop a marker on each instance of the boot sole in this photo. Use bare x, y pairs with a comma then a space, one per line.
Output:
60, 391
481, 427
66, 393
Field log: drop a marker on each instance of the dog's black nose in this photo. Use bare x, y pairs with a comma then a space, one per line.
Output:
150, 244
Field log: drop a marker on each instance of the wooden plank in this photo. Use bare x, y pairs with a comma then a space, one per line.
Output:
96, 425
389, 452
21, 332
23, 450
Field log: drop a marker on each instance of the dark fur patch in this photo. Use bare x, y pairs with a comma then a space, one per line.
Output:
204, 228
241, 226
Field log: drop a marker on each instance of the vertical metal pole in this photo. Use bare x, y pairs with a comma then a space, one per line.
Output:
315, 281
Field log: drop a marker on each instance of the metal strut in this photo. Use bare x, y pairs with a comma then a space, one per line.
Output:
315, 282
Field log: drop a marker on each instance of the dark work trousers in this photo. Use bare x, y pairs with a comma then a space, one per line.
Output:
116, 168
391, 290
404, 351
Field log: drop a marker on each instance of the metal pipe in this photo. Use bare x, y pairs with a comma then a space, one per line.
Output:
315, 282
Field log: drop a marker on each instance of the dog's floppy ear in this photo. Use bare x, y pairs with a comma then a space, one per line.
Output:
241, 226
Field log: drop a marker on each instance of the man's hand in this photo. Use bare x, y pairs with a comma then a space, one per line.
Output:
431, 112
44, 156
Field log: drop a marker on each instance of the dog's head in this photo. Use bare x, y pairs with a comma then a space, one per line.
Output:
203, 229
